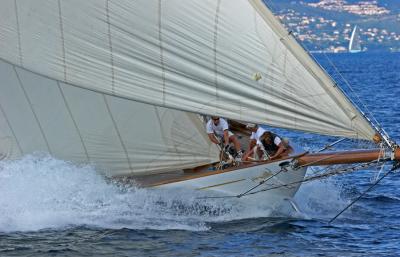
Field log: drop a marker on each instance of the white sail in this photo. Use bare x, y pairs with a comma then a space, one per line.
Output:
121, 137
195, 56
355, 45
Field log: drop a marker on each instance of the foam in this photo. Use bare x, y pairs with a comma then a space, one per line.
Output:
41, 192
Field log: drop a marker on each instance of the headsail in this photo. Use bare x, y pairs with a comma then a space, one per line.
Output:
195, 56
121, 137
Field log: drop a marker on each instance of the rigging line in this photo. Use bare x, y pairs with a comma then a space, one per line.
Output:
383, 164
337, 72
322, 159
259, 184
361, 195
330, 145
351, 88
311, 178
320, 176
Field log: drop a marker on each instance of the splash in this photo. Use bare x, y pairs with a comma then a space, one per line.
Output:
40, 192
321, 199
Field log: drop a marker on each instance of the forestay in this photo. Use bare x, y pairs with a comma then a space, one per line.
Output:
196, 56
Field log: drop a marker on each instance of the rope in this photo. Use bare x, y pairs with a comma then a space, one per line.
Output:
261, 182
330, 145
368, 189
320, 176
361, 195
308, 179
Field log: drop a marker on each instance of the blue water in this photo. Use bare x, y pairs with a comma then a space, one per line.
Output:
50, 207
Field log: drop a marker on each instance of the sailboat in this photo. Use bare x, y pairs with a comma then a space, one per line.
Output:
354, 44
123, 85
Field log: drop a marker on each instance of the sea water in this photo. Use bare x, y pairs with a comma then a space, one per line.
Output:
50, 207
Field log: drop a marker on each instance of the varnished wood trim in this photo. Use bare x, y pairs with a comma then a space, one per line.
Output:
212, 172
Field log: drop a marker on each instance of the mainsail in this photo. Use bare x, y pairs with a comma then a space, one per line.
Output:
153, 61
355, 45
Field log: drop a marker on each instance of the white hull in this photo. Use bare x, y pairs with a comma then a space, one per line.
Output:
238, 181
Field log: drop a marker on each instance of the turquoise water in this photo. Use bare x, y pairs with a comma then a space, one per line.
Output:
50, 207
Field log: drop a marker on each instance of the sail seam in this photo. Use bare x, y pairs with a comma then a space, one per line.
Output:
264, 81
33, 111
12, 130
19, 33
215, 42
73, 120
176, 146
62, 40
161, 51
118, 133
111, 48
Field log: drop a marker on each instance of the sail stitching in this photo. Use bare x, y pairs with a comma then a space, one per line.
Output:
111, 48
161, 51
164, 139
118, 133
19, 33
33, 111
264, 84
73, 120
12, 130
176, 146
62, 40
215, 42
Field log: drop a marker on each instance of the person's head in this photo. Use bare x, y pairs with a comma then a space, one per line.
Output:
215, 119
252, 127
266, 137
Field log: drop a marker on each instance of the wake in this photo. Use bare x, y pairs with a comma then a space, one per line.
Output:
41, 192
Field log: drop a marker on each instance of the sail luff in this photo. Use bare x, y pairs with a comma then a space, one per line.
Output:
315, 69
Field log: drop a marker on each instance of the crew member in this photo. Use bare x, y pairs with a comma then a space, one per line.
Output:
256, 133
218, 131
273, 145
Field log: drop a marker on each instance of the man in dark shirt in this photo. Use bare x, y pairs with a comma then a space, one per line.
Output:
273, 145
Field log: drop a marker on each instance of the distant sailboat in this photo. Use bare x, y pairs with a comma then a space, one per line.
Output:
120, 84
355, 45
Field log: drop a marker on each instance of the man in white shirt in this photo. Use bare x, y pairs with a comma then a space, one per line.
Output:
263, 142
218, 131
256, 133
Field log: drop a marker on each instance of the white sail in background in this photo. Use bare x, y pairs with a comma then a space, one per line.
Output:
355, 45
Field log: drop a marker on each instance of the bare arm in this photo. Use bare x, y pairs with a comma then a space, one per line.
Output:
226, 137
252, 144
281, 149
213, 138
